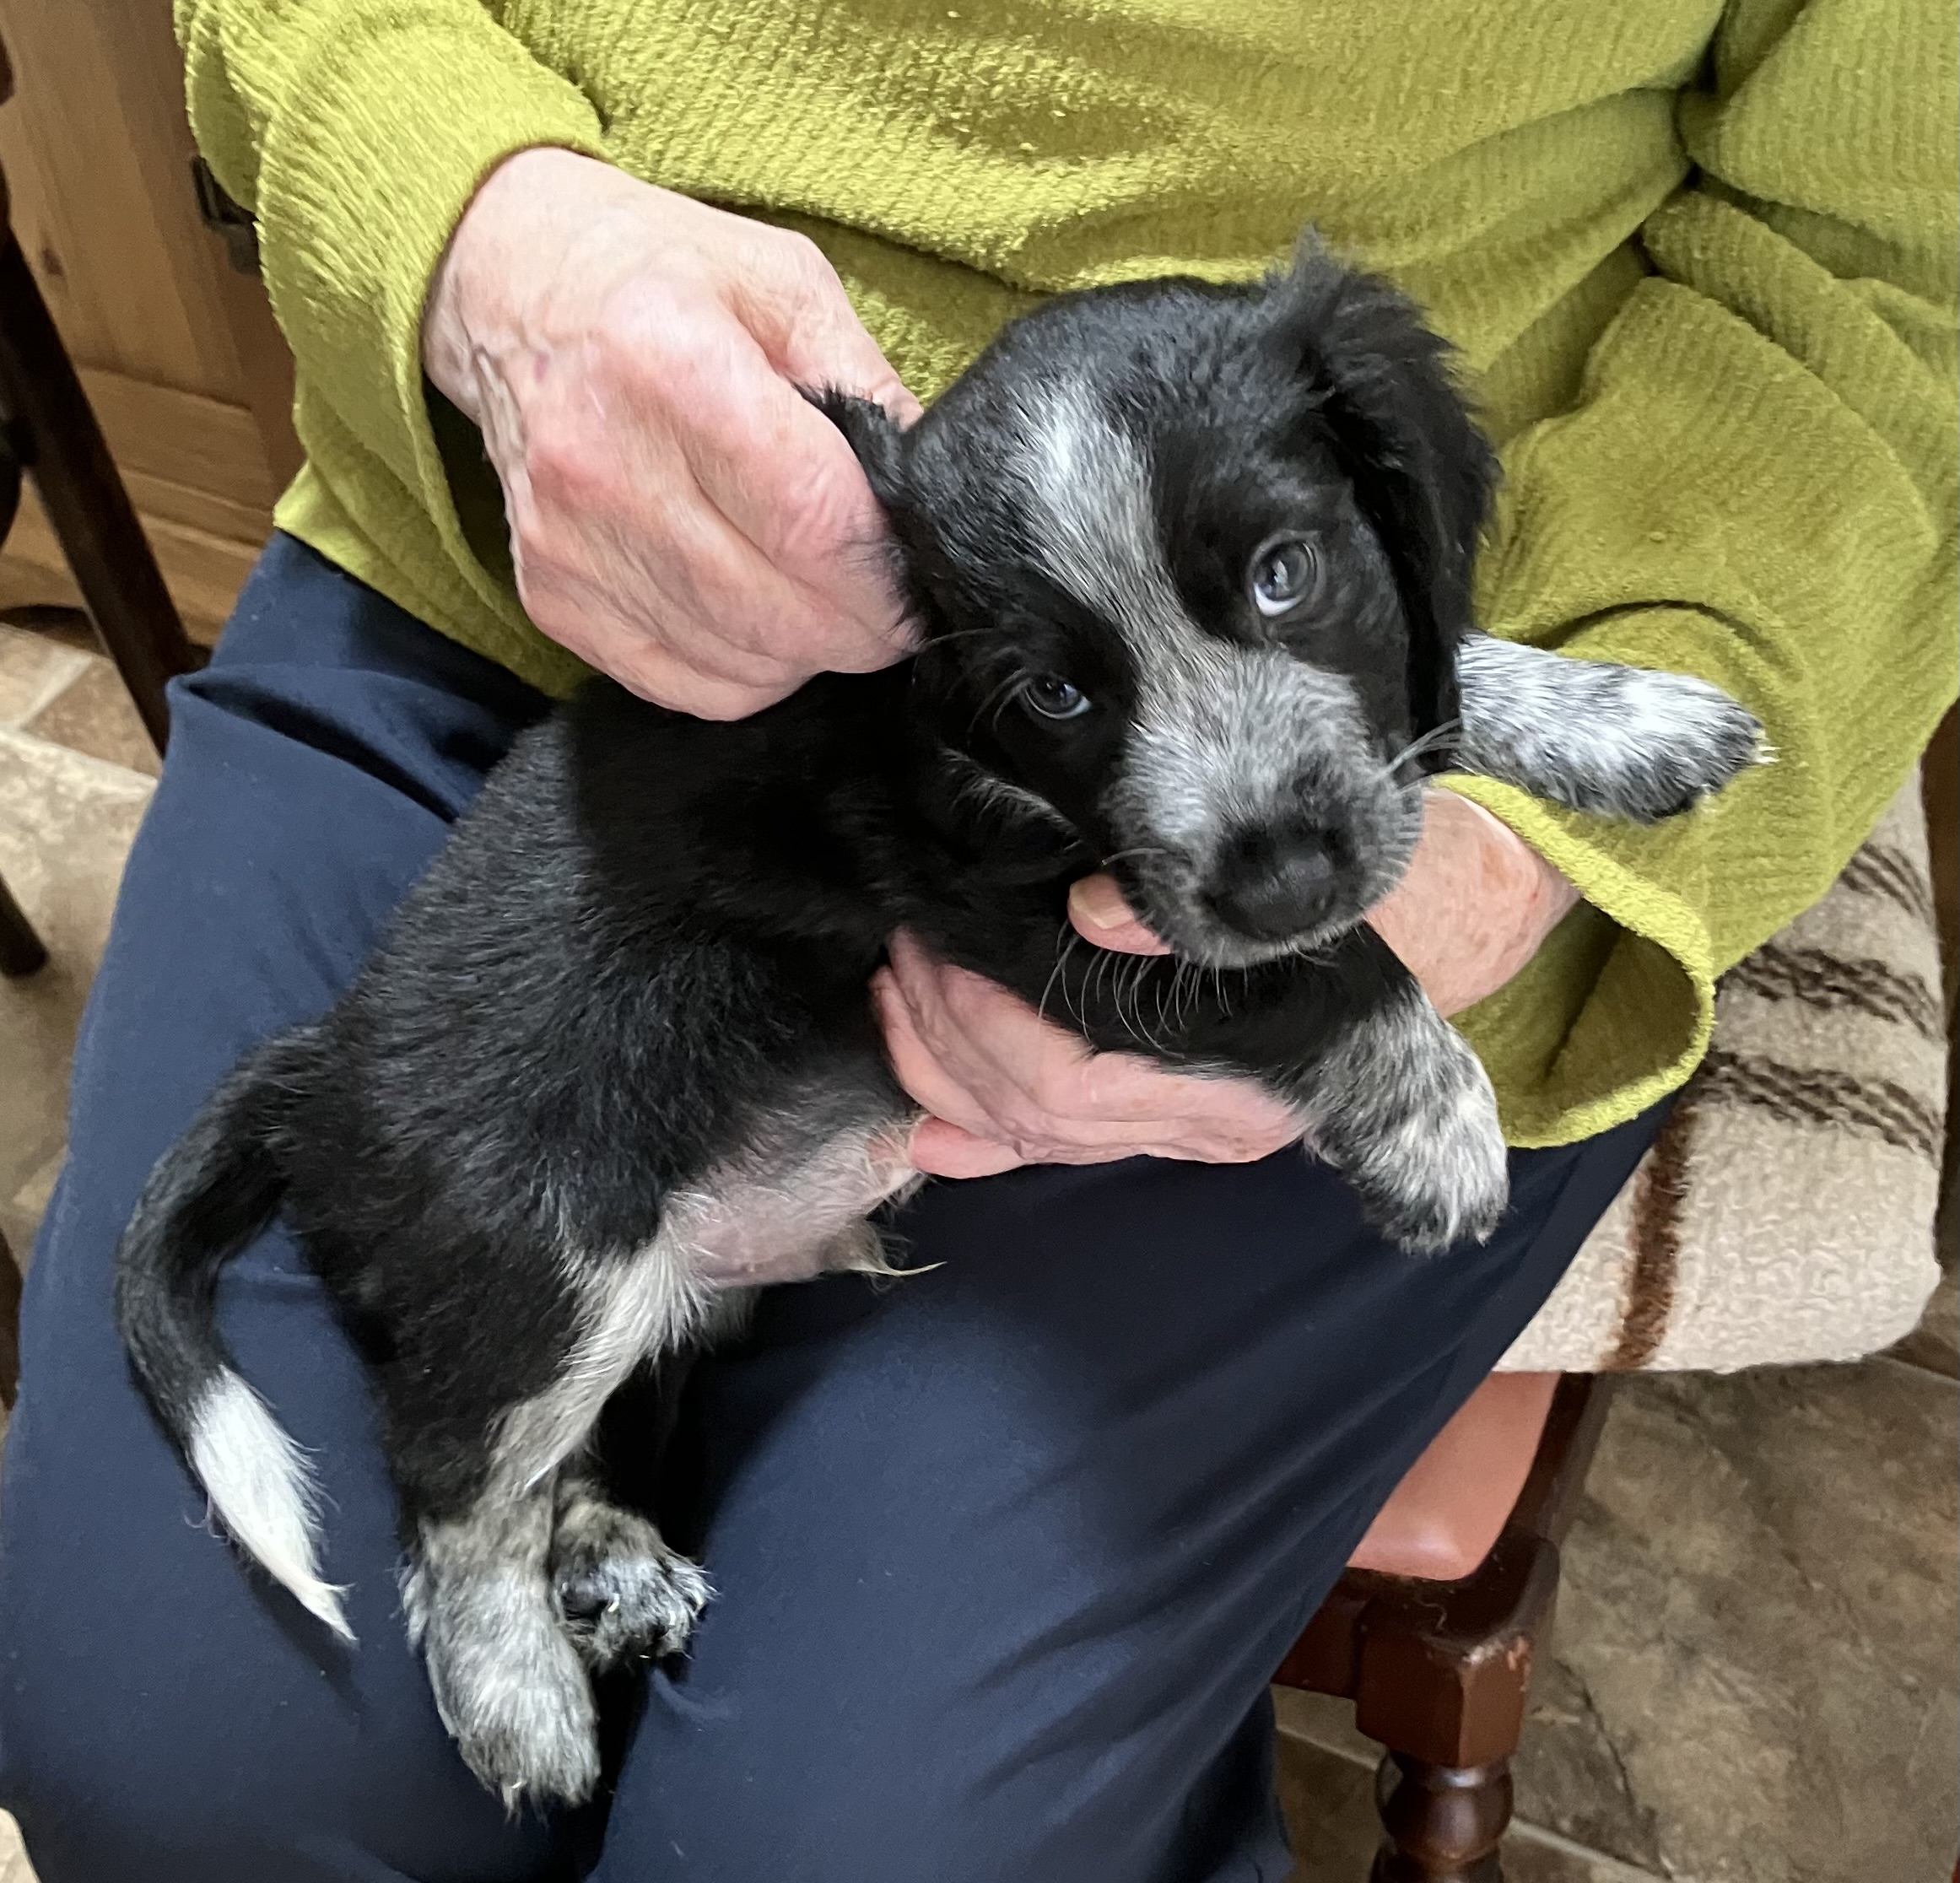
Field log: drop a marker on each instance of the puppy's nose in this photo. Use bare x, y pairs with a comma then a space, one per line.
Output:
1272, 883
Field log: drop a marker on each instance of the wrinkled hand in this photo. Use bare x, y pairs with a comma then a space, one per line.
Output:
680, 517
1005, 1087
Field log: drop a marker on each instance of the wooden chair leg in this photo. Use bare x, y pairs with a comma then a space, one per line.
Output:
9, 1325
21, 950
86, 500
1439, 1672
1441, 1823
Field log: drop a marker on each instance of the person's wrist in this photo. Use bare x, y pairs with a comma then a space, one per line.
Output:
468, 299
1537, 895
1475, 907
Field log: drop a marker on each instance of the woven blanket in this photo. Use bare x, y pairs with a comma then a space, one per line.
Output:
1786, 1212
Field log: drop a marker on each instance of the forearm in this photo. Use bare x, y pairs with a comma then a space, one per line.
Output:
1475, 906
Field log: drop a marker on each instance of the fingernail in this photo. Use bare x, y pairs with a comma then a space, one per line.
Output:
1099, 903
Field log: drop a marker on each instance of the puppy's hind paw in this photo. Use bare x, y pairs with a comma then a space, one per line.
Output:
515, 1699
625, 1595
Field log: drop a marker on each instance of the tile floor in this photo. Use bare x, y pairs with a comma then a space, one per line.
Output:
1755, 1678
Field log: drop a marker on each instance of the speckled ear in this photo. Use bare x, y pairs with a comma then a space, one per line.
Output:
1423, 472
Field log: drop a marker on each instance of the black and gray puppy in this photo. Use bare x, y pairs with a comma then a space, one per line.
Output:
1191, 565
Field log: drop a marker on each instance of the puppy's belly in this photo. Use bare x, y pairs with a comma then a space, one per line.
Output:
753, 1226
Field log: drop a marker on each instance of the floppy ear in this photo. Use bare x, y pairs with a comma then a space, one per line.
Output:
881, 448
874, 435
1420, 468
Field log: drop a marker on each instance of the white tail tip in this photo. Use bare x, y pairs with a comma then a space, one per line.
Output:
264, 1493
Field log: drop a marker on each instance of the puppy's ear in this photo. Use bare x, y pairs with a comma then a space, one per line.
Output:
1420, 468
883, 450
874, 435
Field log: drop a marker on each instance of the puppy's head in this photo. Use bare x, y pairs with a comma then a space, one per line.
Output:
1192, 564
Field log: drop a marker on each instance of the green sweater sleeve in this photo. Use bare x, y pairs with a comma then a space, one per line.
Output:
356, 131
1756, 482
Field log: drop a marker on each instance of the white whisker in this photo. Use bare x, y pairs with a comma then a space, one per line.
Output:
1436, 736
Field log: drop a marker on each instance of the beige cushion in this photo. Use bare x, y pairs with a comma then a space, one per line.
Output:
1786, 1213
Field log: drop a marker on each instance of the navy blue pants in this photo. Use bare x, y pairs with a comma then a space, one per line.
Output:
1005, 1551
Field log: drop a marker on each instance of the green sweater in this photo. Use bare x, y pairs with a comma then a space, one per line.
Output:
1701, 263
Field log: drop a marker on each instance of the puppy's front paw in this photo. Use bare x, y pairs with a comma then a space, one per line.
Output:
1690, 740
623, 1592
1433, 1172
1596, 735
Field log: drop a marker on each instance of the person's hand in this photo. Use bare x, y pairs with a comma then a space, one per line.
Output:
1004, 1087
680, 516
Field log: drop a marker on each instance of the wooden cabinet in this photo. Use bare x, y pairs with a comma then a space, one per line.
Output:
178, 353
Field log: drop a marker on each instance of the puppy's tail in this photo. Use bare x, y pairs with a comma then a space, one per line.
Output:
210, 1193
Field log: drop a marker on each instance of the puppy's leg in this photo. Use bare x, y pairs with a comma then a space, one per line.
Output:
1384, 1087
1403, 1107
508, 1683
625, 1595
481, 1502
1592, 735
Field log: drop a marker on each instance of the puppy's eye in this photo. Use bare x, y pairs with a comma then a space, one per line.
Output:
1285, 573
1054, 698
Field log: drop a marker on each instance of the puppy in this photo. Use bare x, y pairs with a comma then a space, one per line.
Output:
1191, 565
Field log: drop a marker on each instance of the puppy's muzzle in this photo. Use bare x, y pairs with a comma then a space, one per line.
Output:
1274, 882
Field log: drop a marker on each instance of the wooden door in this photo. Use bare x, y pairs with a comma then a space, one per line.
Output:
179, 354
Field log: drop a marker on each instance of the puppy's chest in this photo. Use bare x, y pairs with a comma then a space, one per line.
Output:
785, 1214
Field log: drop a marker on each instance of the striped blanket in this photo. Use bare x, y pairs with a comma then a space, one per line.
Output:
1786, 1212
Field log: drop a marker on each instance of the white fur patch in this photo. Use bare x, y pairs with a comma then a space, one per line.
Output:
1091, 489
631, 1307
264, 1492
735, 1230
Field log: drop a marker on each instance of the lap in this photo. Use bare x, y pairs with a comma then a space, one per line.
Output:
1009, 1551
1006, 1549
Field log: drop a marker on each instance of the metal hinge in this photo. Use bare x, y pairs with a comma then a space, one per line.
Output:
233, 225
